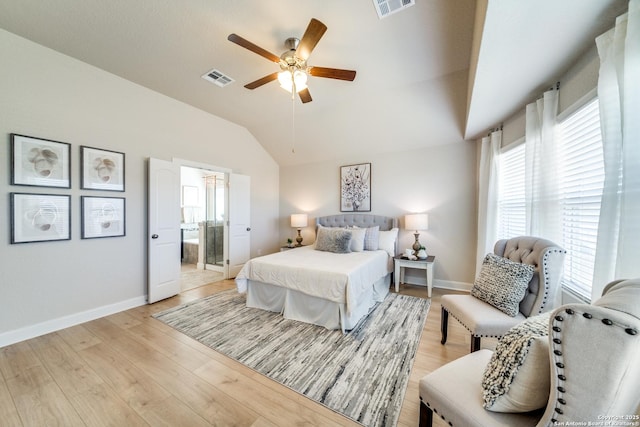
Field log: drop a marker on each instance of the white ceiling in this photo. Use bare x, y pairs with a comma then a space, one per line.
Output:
411, 88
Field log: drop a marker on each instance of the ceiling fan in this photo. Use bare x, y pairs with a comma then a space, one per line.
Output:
293, 62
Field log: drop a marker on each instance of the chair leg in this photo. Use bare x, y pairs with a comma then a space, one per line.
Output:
426, 415
475, 343
444, 324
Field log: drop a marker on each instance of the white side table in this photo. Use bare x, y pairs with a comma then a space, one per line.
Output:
401, 263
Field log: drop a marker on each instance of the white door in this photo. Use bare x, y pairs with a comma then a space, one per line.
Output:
163, 230
239, 222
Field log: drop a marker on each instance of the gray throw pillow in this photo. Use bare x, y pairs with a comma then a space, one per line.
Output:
502, 283
336, 240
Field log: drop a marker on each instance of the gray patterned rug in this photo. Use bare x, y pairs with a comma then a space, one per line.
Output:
362, 374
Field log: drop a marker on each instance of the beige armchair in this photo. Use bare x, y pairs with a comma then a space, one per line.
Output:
593, 367
484, 320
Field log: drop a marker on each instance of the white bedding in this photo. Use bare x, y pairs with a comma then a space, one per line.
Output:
339, 278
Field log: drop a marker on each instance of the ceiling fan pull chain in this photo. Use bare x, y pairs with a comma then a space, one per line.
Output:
293, 120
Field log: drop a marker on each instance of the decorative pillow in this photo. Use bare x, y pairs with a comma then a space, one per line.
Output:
387, 240
337, 240
502, 283
357, 239
517, 376
371, 238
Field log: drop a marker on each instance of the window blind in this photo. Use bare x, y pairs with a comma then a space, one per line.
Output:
581, 179
511, 198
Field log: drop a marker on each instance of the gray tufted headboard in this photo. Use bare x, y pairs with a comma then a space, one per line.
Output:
359, 220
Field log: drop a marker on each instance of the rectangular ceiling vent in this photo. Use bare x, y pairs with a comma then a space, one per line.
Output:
389, 7
218, 77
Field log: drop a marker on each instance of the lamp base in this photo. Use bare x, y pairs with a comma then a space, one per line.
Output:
416, 245
299, 239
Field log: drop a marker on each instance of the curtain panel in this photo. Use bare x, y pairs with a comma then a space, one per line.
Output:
488, 195
618, 244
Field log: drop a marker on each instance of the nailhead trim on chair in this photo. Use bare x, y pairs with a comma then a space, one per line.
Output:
435, 411
557, 343
467, 328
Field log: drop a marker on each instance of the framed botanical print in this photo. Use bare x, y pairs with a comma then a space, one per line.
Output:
355, 188
101, 169
40, 217
102, 217
40, 162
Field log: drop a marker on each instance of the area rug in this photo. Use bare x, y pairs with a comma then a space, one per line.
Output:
362, 374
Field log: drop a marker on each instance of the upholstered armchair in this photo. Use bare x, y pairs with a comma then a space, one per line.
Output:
591, 368
482, 319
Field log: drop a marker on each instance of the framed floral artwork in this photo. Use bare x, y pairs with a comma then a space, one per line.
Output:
101, 169
355, 188
40, 162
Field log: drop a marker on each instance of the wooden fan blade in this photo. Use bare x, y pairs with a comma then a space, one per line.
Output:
305, 96
234, 38
266, 79
332, 73
310, 39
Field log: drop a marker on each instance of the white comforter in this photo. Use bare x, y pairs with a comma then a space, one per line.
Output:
340, 278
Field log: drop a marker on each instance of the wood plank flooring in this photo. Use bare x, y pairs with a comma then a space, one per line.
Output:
129, 369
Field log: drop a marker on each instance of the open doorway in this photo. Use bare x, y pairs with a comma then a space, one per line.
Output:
203, 211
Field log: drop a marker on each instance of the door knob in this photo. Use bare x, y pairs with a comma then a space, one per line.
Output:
154, 236
248, 228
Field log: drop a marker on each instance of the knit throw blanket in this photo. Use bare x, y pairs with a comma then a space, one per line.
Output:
511, 352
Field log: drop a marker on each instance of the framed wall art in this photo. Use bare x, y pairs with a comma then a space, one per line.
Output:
101, 169
40, 162
102, 217
355, 188
40, 217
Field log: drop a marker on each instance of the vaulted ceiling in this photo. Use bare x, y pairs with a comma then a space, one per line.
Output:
412, 87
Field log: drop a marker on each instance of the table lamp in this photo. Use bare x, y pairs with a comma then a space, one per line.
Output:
299, 221
416, 222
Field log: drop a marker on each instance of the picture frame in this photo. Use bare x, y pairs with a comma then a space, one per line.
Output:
101, 169
102, 217
40, 162
40, 217
355, 188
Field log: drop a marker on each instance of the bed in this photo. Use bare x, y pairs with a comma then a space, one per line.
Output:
320, 284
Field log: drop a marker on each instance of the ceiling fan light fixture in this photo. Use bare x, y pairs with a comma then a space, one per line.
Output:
287, 78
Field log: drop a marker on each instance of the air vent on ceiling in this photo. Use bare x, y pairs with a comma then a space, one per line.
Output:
218, 77
389, 7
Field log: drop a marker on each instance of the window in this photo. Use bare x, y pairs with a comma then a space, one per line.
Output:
581, 179
581, 182
511, 200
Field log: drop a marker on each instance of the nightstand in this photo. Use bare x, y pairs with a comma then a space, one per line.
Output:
401, 263
286, 248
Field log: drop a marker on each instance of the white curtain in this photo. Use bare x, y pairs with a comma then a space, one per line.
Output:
488, 195
618, 245
543, 204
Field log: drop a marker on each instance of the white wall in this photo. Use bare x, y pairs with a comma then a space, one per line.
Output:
47, 285
440, 180
580, 78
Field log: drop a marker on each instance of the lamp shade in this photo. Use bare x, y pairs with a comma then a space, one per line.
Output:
416, 222
298, 220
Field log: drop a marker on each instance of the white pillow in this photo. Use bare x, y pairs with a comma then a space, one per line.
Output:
357, 239
517, 377
387, 240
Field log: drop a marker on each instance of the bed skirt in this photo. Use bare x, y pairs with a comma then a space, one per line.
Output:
295, 305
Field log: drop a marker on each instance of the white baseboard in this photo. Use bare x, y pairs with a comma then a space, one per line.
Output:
32, 331
420, 280
449, 284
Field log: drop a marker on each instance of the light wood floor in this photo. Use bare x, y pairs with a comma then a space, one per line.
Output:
129, 369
